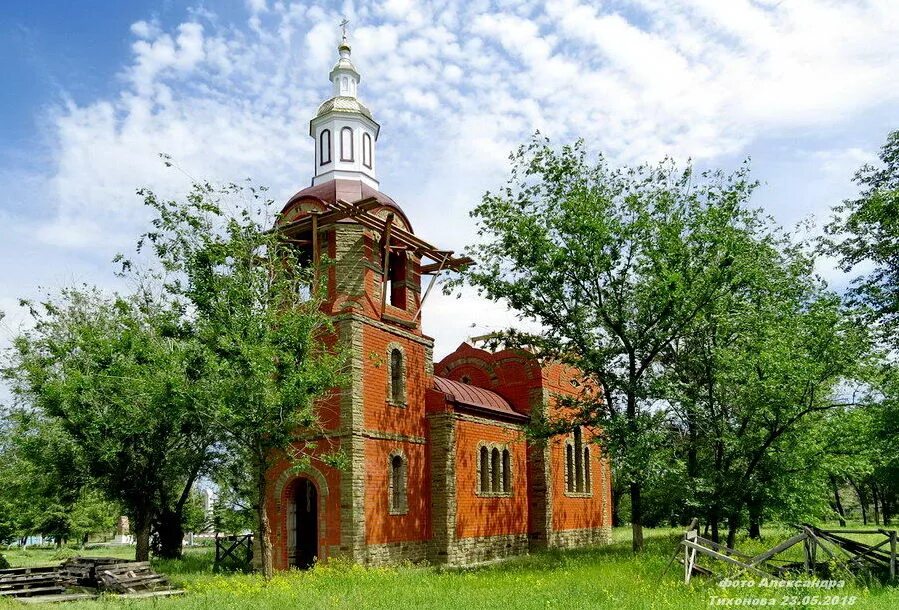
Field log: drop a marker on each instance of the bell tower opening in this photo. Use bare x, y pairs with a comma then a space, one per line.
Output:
396, 278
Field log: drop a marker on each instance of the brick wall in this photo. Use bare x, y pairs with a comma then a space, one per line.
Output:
381, 526
479, 516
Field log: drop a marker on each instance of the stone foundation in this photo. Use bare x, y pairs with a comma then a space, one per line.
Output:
568, 539
393, 553
465, 551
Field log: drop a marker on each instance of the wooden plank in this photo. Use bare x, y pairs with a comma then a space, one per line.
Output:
453, 263
421, 302
145, 594
717, 546
780, 548
29, 592
376, 223
131, 565
346, 210
28, 570
858, 548
63, 597
717, 555
698, 569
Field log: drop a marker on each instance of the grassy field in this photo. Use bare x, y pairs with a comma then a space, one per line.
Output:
608, 577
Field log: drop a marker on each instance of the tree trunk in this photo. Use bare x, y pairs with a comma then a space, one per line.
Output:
170, 532
733, 524
837, 502
862, 501
886, 508
636, 487
170, 525
265, 539
616, 503
713, 521
636, 517
875, 499
755, 521
142, 536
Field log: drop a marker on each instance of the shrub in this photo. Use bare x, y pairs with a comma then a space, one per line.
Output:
4, 564
64, 553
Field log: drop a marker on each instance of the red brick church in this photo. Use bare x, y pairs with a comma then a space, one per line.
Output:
439, 467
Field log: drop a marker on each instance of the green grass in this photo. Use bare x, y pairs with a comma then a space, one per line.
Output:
607, 577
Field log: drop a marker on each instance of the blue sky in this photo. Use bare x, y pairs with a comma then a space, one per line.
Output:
93, 90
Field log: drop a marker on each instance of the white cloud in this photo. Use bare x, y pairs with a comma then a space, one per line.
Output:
455, 89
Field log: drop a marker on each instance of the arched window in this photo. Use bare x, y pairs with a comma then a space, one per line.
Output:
569, 467
484, 464
366, 150
397, 377
324, 148
346, 144
578, 461
507, 471
495, 472
344, 84
397, 491
587, 483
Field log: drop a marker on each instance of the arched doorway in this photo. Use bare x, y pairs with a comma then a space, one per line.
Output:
303, 524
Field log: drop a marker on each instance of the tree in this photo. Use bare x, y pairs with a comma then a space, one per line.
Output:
866, 229
751, 380
266, 342
40, 477
614, 265
119, 377
92, 514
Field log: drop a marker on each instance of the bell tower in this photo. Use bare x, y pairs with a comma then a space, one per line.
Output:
343, 128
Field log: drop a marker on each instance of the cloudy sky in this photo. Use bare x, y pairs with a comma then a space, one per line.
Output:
93, 90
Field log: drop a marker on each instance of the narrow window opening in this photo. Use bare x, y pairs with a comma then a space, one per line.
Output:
397, 389
587, 483
485, 469
578, 461
495, 467
507, 471
346, 144
398, 483
366, 150
324, 148
569, 468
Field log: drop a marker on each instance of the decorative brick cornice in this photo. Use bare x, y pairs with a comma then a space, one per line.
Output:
358, 317
392, 436
489, 422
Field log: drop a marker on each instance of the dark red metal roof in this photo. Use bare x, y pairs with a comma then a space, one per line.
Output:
467, 395
347, 190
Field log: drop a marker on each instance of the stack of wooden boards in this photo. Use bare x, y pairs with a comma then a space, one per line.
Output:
30, 582
84, 578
